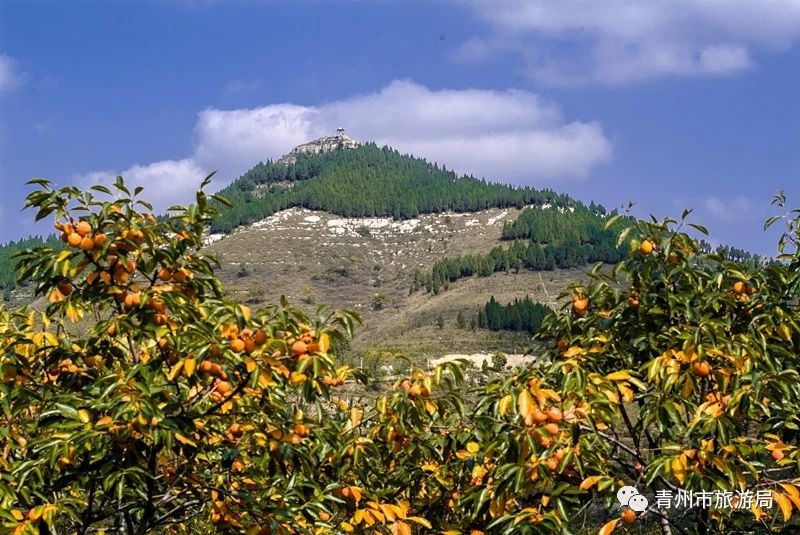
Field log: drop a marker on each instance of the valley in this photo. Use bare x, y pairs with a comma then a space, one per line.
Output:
369, 264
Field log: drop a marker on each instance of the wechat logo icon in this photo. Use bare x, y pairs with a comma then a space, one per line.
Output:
630, 497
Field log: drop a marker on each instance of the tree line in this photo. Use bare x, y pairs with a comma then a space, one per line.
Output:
573, 224
537, 246
519, 315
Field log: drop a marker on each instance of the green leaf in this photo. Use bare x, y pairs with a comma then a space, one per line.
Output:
612, 220
700, 228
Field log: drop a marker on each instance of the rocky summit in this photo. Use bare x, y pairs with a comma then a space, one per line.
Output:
323, 144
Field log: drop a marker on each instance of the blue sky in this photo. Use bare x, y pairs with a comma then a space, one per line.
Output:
665, 104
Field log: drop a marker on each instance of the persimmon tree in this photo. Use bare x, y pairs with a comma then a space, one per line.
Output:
142, 400
141, 397
673, 371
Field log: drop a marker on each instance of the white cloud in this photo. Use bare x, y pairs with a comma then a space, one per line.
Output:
10, 77
731, 209
473, 49
233, 140
724, 58
567, 42
505, 135
165, 183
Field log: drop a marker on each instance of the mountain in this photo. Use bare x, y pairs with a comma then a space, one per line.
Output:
427, 256
367, 181
398, 238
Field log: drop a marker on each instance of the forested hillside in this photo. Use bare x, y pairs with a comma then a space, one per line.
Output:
543, 239
7, 251
582, 225
367, 181
372, 181
520, 315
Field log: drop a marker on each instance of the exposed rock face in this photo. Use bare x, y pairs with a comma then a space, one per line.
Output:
323, 144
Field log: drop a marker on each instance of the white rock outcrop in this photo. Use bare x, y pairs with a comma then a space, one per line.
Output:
324, 144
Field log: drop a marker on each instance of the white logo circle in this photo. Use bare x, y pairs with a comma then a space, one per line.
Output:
625, 494
638, 503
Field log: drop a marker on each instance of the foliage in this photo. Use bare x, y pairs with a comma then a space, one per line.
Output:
676, 370
499, 361
172, 402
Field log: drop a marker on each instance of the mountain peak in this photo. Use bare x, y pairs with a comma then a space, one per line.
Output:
324, 144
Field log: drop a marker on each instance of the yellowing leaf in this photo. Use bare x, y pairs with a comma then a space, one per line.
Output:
525, 405
189, 366
793, 493
688, 386
104, 421
173, 373
388, 512
478, 471
430, 407
612, 396
429, 466
355, 417
785, 332
296, 378
504, 405
784, 503
618, 376
324, 343
401, 528
83, 416
73, 313
573, 351
589, 482
421, 521
185, 440
626, 391
377, 513
679, 468
473, 447
404, 507
369, 518
778, 446
609, 527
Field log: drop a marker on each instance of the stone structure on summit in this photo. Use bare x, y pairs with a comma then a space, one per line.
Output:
323, 144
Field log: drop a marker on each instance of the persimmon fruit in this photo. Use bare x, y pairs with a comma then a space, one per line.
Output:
701, 369
628, 516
